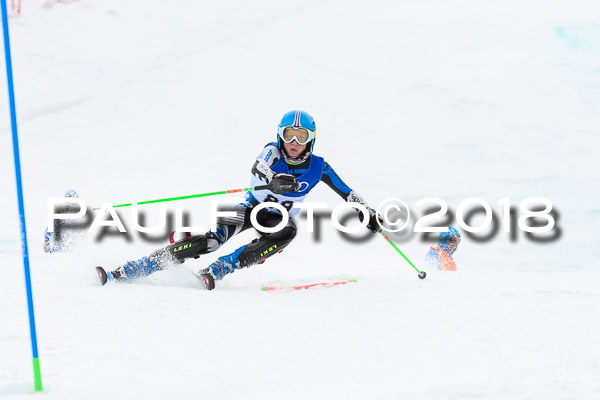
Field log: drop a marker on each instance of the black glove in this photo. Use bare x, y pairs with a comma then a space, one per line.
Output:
284, 183
373, 226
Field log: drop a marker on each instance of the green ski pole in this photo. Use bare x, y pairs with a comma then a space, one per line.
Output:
192, 196
422, 274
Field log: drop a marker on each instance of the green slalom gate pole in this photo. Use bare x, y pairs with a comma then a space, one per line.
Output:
422, 274
192, 196
37, 373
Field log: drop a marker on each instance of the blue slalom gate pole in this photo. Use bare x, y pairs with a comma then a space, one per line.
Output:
37, 374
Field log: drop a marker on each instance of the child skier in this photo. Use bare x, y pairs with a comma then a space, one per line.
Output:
441, 256
291, 171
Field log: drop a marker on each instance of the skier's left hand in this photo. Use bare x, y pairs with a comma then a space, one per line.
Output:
373, 226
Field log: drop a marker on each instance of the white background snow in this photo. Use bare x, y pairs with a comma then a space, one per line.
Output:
136, 100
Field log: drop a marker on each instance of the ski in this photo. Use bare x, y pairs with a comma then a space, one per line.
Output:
102, 275
207, 280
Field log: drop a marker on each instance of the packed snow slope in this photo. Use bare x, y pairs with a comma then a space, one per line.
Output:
138, 100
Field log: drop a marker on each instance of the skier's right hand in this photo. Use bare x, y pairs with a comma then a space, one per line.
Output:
284, 183
373, 226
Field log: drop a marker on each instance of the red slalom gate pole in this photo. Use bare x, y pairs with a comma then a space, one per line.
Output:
308, 286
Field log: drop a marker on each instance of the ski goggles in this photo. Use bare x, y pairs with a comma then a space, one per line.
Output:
301, 135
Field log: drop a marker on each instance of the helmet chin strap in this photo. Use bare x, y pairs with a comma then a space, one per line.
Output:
294, 161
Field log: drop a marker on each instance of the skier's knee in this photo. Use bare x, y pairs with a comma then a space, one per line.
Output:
195, 246
189, 247
260, 249
287, 234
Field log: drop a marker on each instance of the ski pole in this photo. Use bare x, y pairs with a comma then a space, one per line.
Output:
192, 196
422, 274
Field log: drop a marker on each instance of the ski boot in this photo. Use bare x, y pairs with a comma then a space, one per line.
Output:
223, 266
118, 274
156, 261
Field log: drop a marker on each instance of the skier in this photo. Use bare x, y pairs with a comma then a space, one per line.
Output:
291, 171
441, 256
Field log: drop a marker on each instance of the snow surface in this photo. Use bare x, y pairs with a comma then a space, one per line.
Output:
135, 100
